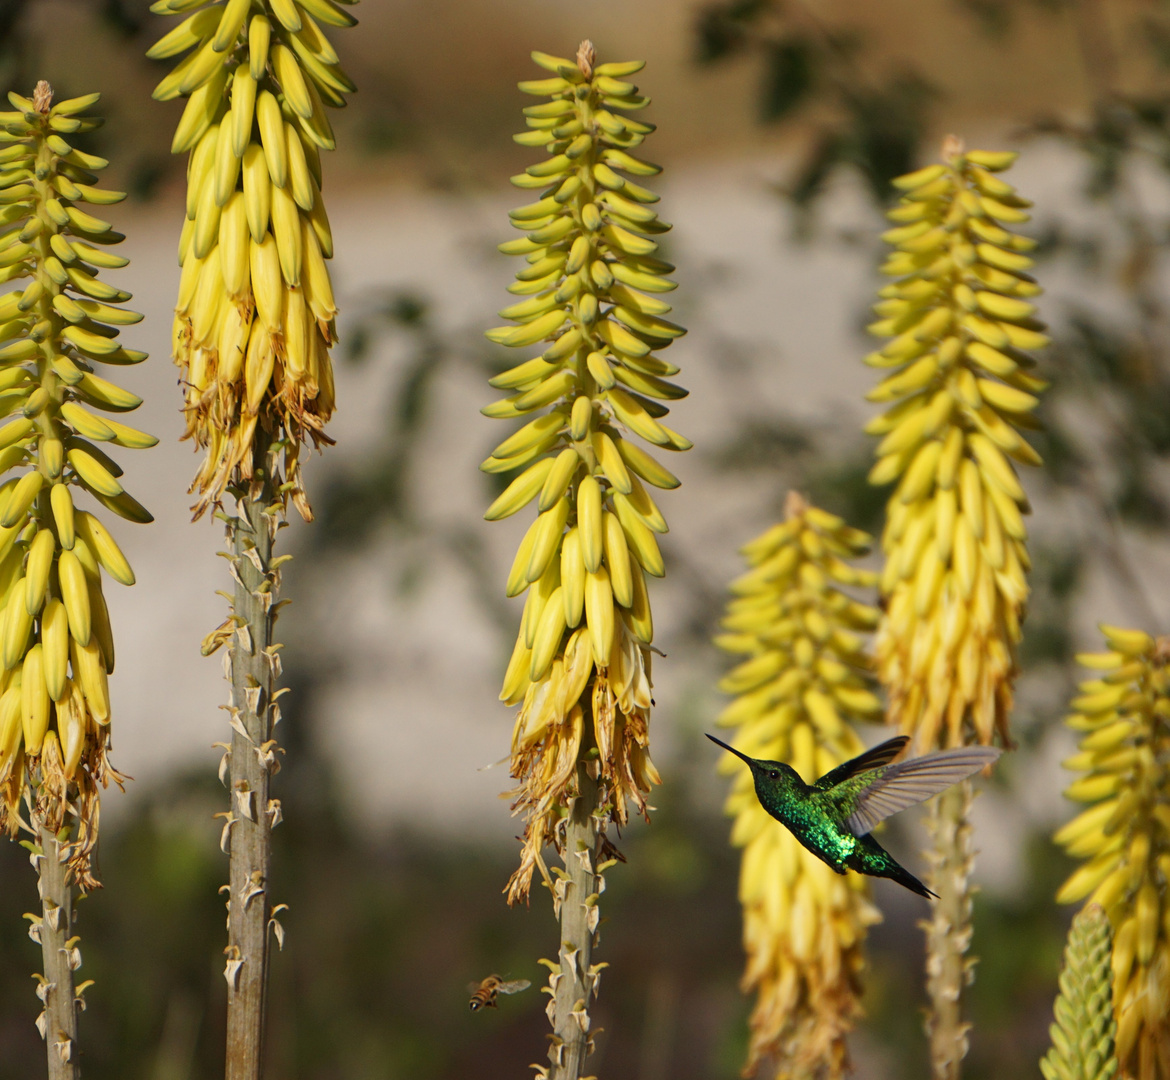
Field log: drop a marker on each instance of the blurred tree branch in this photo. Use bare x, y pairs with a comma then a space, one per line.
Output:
816, 72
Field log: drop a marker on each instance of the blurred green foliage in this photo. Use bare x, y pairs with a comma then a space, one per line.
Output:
875, 123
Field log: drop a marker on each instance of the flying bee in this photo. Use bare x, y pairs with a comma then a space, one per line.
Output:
484, 994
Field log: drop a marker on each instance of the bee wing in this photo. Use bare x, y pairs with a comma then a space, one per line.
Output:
473, 987
514, 987
914, 781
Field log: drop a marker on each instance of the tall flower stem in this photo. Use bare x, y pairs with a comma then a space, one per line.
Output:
576, 894
58, 1023
580, 669
254, 665
948, 930
58, 327
961, 385
253, 327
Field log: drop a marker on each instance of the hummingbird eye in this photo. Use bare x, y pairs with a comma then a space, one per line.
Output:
773, 775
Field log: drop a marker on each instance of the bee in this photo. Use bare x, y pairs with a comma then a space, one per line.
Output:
484, 994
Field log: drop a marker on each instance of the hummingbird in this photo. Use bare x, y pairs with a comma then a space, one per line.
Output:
835, 816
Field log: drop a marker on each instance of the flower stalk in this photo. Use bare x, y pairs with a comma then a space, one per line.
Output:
805, 675
960, 319
62, 956
254, 665
1124, 835
574, 978
580, 669
254, 323
56, 643
948, 930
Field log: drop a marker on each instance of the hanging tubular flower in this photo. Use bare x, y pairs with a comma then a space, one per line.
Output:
592, 285
1084, 1033
803, 925
55, 639
255, 317
1125, 835
955, 541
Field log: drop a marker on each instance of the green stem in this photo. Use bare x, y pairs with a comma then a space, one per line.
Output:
575, 893
254, 668
58, 1022
948, 932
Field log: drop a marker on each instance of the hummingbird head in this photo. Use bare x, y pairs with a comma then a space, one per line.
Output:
768, 775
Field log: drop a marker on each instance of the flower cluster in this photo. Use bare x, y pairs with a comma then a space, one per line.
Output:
57, 332
806, 674
581, 665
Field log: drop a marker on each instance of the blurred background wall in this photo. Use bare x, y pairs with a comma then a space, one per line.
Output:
780, 124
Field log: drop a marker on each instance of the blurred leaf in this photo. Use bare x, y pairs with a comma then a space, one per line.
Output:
827, 153
357, 341
1055, 577
888, 124
408, 310
1098, 351
382, 134
844, 488
16, 53
146, 177
126, 17
11, 12
876, 126
356, 502
721, 30
789, 68
995, 17
1138, 498
1063, 462
1155, 35
762, 444
992, 16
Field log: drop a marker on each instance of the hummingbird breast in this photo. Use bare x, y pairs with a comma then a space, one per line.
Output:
815, 826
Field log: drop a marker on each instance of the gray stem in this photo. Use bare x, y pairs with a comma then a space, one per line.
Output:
58, 1022
948, 932
575, 895
254, 669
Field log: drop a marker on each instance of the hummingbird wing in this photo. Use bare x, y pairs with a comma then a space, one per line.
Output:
882, 754
908, 782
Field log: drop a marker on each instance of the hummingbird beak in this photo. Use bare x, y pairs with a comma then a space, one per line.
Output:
730, 749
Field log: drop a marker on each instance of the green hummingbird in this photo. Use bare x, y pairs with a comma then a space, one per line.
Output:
834, 817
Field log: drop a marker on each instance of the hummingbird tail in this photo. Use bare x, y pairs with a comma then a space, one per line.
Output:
871, 858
